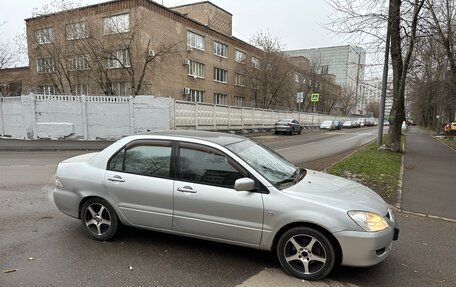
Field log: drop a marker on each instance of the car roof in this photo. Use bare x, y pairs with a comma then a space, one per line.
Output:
214, 137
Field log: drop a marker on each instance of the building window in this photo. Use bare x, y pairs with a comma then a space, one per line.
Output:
220, 99
255, 63
120, 89
47, 90
77, 31
220, 75
119, 59
116, 24
196, 69
45, 65
44, 36
239, 56
240, 80
324, 69
195, 41
81, 90
220, 49
196, 96
239, 101
78, 63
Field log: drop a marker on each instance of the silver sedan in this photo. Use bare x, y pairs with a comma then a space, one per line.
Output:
229, 189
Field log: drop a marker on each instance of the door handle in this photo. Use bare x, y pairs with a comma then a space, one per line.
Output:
116, 178
186, 189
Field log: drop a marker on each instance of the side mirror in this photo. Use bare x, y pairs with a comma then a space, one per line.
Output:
244, 184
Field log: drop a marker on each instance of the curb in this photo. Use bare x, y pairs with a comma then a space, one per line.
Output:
400, 181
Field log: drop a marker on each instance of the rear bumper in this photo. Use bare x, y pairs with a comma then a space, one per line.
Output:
366, 248
67, 202
282, 129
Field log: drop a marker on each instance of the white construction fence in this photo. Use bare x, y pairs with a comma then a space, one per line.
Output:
103, 117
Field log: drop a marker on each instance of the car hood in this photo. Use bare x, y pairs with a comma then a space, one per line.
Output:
337, 193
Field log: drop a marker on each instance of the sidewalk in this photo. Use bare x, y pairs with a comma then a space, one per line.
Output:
429, 185
51, 145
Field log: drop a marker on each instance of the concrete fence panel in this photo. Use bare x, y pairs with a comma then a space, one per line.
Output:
103, 117
12, 120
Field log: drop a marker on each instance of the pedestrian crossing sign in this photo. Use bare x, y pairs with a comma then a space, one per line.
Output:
314, 97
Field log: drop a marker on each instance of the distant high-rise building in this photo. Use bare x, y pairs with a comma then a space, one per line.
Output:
347, 63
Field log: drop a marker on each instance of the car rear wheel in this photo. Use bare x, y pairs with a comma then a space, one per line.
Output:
99, 219
306, 253
300, 131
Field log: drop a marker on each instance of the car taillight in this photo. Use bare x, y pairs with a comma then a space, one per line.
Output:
58, 183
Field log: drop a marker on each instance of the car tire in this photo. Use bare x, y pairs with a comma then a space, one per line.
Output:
276, 133
99, 219
300, 131
306, 253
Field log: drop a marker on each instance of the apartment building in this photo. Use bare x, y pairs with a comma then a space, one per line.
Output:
372, 91
128, 47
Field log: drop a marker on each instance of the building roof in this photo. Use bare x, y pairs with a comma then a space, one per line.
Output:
201, 2
146, 3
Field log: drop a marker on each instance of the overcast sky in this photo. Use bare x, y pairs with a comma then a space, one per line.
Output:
297, 23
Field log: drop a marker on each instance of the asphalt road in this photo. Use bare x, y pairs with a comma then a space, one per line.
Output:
47, 248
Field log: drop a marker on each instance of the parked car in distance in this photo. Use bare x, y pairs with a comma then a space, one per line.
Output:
287, 126
362, 122
338, 124
348, 124
356, 124
229, 189
328, 125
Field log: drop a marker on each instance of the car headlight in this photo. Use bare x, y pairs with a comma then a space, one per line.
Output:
368, 221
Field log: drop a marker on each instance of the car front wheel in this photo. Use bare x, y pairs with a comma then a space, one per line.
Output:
306, 253
99, 219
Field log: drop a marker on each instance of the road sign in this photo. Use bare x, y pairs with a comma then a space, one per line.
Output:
314, 97
300, 97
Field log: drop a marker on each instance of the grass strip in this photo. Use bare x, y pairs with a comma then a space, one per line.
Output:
377, 169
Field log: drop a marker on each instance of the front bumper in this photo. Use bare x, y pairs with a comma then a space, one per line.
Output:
361, 248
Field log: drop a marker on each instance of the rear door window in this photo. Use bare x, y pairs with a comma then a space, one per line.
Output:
149, 158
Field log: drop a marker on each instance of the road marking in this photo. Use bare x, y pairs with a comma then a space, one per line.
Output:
272, 277
426, 215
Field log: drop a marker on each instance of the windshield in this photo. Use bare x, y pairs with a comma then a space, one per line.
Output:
270, 165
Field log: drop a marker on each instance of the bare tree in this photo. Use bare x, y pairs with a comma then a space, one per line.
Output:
367, 20
373, 108
403, 39
272, 76
431, 94
8, 52
347, 100
119, 50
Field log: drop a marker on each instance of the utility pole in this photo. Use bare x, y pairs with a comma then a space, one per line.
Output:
381, 116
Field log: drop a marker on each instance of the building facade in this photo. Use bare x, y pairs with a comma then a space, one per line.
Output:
129, 47
14, 80
346, 63
371, 91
